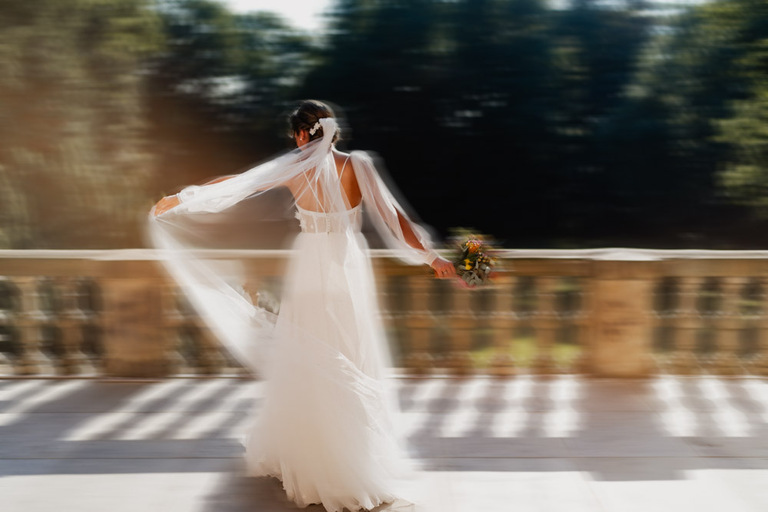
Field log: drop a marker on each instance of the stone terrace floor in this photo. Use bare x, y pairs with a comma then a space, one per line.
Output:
527, 444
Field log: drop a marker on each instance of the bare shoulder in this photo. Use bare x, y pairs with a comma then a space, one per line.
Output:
342, 159
354, 156
348, 179
340, 156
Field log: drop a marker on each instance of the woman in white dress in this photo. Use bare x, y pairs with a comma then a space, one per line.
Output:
325, 426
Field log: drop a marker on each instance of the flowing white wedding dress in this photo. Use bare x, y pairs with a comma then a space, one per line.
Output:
325, 427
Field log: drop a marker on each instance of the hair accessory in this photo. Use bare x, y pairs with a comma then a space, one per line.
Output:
314, 128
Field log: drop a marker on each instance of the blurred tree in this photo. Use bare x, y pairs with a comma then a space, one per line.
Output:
500, 107
596, 53
744, 175
74, 163
218, 89
382, 63
597, 123
454, 95
697, 70
589, 124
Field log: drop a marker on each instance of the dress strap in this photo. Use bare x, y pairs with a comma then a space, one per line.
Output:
344, 166
314, 192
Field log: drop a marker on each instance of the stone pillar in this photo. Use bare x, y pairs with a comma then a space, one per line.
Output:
622, 293
135, 338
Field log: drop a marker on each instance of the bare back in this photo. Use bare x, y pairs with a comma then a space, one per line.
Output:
347, 182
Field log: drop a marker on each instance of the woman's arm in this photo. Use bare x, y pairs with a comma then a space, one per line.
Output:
165, 204
173, 201
442, 267
399, 232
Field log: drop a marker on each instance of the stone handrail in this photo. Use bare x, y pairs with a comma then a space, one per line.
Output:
604, 312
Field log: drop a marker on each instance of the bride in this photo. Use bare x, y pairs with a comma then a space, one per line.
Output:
325, 427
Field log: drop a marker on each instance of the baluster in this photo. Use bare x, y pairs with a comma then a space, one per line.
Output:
761, 364
420, 322
524, 302
92, 328
729, 327
260, 290
69, 321
173, 320
545, 324
567, 315
8, 309
29, 317
661, 320
751, 317
387, 298
502, 321
460, 337
209, 357
189, 335
582, 325
710, 308
50, 344
687, 322
393, 316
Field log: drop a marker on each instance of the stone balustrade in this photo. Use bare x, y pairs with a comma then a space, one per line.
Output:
601, 312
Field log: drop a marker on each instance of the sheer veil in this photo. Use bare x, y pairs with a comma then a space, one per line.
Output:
215, 286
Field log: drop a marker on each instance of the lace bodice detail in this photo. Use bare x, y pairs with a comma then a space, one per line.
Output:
332, 222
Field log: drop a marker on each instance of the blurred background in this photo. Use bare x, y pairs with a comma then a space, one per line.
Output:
552, 124
549, 124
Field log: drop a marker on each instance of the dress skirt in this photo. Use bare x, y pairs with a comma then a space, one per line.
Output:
325, 427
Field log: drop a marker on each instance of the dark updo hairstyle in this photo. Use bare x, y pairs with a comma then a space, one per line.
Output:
307, 114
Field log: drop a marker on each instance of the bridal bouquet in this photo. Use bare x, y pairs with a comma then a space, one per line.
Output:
473, 264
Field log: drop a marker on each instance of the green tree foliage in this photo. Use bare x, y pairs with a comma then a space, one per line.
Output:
499, 104
744, 28
596, 123
745, 174
71, 122
218, 88
698, 79
602, 138
432, 85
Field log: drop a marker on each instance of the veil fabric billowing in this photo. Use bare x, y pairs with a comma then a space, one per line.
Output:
215, 287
